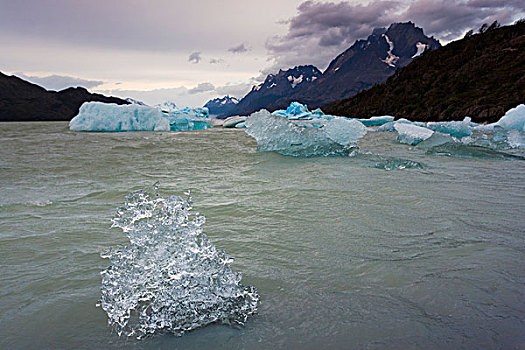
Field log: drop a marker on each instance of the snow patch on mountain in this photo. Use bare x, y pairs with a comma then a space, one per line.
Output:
391, 59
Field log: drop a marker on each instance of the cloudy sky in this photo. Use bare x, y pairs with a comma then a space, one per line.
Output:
191, 51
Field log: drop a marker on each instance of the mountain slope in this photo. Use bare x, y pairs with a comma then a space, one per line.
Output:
368, 62
276, 86
480, 76
24, 101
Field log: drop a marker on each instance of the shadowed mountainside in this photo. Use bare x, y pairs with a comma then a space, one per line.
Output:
480, 76
23, 101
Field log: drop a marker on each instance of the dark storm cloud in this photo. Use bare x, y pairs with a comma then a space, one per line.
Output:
202, 87
195, 57
238, 49
321, 30
59, 82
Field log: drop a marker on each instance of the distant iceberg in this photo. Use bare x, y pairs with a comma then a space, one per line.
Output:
275, 133
98, 116
189, 119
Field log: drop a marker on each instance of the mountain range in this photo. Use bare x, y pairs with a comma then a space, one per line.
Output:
221, 106
23, 101
481, 76
366, 63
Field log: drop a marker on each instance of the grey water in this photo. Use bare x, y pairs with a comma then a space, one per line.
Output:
344, 253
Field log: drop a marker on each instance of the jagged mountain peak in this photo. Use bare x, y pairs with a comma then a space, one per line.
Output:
221, 105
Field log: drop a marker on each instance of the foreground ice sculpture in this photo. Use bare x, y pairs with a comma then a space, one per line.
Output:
98, 116
170, 277
274, 133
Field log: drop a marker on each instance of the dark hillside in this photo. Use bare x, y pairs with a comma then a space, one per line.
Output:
480, 76
23, 101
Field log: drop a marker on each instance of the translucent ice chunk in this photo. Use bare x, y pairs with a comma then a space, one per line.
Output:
98, 116
412, 134
514, 119
170, 277
337, 136
456, 129
389, 127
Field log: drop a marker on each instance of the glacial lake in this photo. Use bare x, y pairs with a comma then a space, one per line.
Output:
343, 253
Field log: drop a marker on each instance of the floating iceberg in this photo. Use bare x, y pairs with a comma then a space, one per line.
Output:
275, 133
189, 119
377, 121
98, 116
457, 129
412, 134
170, 278
514, 119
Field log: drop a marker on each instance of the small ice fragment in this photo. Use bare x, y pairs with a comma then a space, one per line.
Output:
456, 129
377, 121
412, 134
514, 119
232, 121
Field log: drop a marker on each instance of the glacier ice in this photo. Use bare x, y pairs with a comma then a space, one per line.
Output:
457, 129
337, 136
98, 116
514, 119
412, 134
170, 277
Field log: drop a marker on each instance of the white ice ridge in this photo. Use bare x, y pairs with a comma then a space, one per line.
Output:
170, 277
391, 59
514, 119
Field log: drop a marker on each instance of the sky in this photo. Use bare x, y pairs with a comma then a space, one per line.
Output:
191, 51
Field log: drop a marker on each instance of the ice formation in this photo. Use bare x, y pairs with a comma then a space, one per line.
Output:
170, 278
298, 111
337, 136
457, 129
189, 119
514, 119
412, 134
98, 116
231, 122
377, 121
